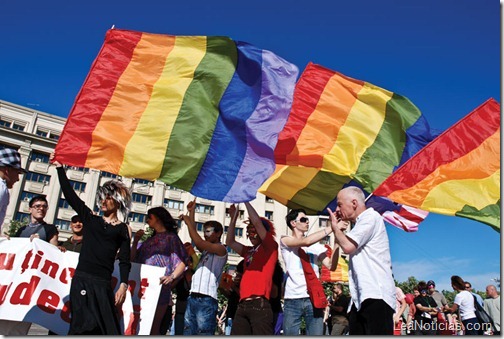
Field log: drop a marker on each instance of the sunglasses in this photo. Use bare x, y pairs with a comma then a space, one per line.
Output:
303, 219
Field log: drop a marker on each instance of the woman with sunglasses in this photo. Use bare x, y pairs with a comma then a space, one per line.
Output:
297, 303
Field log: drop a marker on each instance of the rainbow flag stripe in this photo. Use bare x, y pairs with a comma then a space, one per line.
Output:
341, 132
456, 174
338, 275
199, 113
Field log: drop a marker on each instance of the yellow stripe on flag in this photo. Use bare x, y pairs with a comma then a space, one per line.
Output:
145, 152
359, 131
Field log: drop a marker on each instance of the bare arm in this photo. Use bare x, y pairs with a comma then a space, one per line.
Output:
308, 240
200, 243
138, 235
230, 238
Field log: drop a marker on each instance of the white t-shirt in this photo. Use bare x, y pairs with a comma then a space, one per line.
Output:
295, 285
370, 266
208, 274
465, 302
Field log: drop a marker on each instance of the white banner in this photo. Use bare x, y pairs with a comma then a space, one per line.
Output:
35, 286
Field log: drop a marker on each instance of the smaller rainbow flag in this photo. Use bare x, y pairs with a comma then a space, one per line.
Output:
456, 174
341, 272
200, 113
340, 132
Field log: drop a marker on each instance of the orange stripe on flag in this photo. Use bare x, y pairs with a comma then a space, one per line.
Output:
120, 119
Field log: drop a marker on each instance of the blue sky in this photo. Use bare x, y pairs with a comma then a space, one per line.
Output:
443, 55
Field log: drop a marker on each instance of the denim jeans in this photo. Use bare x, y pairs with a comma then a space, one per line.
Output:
199, 318
253, 317
229, 324
295, 309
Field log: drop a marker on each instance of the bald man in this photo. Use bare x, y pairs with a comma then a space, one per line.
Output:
370, 269
492, 306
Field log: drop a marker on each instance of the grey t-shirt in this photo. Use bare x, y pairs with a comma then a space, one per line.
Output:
45, 231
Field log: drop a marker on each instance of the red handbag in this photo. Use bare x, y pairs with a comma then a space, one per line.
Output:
313, 284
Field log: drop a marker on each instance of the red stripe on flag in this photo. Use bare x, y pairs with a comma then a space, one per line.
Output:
313, 82
458, 140
95, 95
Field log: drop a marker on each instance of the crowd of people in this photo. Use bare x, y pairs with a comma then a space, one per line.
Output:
262, 297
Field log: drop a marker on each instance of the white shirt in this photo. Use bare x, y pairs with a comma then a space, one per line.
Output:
295, 285
370, 266
208, 274
465, 302
4, 200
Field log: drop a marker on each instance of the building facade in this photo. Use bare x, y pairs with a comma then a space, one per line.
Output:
35, 135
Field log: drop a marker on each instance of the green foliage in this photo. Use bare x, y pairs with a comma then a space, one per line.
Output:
15, 225
408, 285
449, 295
148, 233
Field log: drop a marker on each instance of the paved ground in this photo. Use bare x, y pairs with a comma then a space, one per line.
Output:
37, 330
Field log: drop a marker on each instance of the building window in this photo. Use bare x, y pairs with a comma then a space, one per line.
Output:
268, 215
78, 186
137, 217
39, 157
54, 136
62, 203
174, 204
5, 123
324, 222
62, 224
230, 250
23, 217
268, 199
238, 231
241, 213
27, 196
18, 126
205, 209
37, 177
97, 210
42, 133
108, 175
199, 226
141, 198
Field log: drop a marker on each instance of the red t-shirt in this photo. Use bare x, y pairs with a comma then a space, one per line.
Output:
258, 268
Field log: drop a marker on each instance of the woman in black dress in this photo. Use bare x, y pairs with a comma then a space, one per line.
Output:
92, 300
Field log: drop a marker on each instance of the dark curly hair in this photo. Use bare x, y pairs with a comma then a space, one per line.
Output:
165, 217
292, 215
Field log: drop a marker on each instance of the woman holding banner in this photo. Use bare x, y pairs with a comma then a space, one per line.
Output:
92, 301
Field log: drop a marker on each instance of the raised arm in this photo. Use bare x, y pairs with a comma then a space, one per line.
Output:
256, 221
200, 243
230, 238
73, 199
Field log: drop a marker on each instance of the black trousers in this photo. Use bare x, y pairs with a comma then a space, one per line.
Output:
253, 317
375, 317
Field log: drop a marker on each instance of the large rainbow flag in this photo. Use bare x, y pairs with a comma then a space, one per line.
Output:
458, 173
341, 132
199, 113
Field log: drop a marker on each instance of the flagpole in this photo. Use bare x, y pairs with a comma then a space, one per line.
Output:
369, 196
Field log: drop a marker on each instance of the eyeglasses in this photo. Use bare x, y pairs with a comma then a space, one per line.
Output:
40, 207
303, 219
468, 287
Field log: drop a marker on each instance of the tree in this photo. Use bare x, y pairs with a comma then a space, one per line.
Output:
408, 285
15, 225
